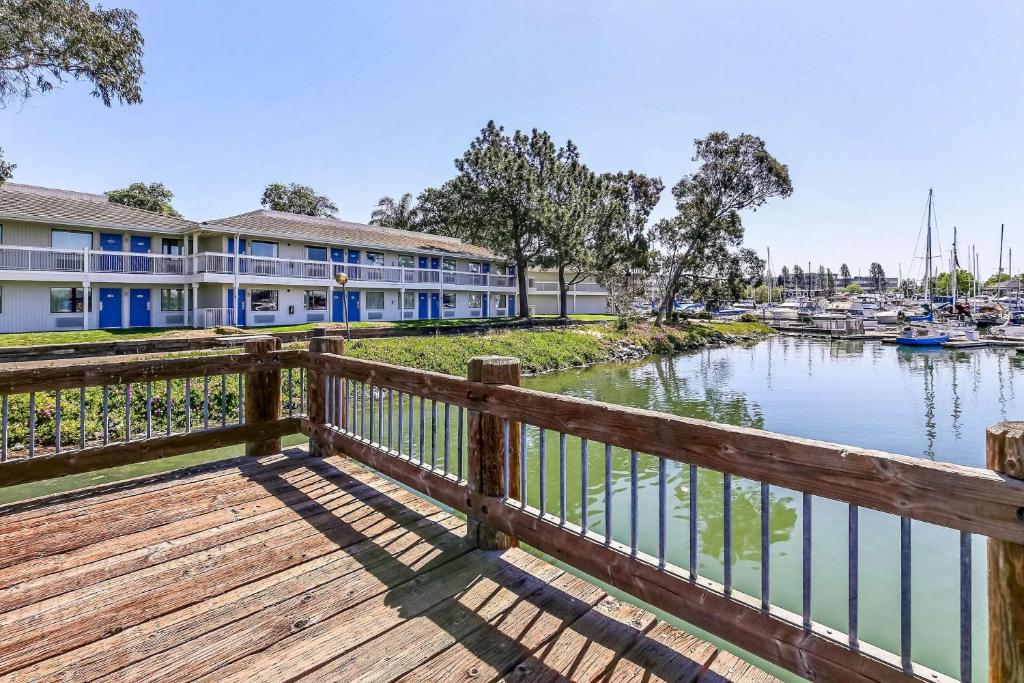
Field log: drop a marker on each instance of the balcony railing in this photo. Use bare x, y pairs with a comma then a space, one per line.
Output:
592, 287
88, 261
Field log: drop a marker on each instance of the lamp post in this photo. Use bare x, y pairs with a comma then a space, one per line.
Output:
342, 279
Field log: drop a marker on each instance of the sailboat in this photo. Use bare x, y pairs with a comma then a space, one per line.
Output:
925, 335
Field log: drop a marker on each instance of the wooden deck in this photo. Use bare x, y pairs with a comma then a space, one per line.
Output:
290, 567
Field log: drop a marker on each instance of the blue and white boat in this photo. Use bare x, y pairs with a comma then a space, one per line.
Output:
922, 336
925, 335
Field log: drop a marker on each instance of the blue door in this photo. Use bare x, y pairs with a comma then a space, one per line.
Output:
110, 242
110, 307
139, 308
353, 307
435, 262
423, 261
240, 313
435, 305
423, 306
336, 311
484, 311
511, 312
242, 266
486, 267
337, 254
353, 256
140, 245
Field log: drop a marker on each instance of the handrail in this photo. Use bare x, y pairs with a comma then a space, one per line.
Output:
346, 391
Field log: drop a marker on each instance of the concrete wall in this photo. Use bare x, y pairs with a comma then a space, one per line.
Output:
16, 233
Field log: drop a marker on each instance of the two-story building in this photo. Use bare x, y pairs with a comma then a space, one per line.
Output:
72, 260
584, 297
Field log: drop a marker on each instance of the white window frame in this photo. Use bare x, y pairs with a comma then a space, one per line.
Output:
277, 301
444, 301
306, 298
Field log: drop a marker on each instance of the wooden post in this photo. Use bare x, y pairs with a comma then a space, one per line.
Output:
318, 386
262, 395
486, 449
1005, 455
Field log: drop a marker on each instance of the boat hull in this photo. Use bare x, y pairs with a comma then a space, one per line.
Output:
933, 340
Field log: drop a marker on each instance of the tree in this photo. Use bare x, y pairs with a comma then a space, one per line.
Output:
822, 281
44, 43
844, 274
437, 208
295, 198
908, 287
154, 197
877, 275
830, 282
402, 214
997, 278
853, 288
734, 174
798, 277
964, 282
500, 197
785, 276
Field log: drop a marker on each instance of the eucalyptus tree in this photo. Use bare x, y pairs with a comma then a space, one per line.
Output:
403, 214
154, 197
46, 43
798, 277
296, 198
877, 274
734, 174
844, 274
784, 274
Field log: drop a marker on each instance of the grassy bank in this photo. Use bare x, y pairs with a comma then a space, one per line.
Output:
543, 351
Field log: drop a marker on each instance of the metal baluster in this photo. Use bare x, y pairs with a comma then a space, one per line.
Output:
380, 415
224, 399
905, 593
206, 401
167, 408
370, 440
410, 451
241, 398
291, 404
31, 424
329, 405
458, 448
433, 432
446, 437
806, 574
965, 607
634, 503
303, 410
607, 494
362, 409
584, 487
561, 477
543, 473
766, 555
506, 463
727, 530
423, 426
106, 415
3, 429
149, 409
56, 421
694, 514
400, 414
81, 417
854, 562
391, 409
188, 405
128, 412
662, 510
523, 450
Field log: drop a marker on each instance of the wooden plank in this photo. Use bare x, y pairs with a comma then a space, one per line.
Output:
490, 652
91, 374
728, 667
53, 626
94, 458
985, 502
588, 647
413, 545
416, 640
663, 654
89, 565
321, 642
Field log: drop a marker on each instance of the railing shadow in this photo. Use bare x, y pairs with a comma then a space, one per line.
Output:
491, 644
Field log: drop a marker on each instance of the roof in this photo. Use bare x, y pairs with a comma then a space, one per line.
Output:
63, 207
336, 231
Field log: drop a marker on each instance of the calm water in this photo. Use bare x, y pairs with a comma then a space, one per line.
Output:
932, 404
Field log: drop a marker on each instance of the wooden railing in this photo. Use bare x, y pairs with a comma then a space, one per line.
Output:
66, 419
460, 441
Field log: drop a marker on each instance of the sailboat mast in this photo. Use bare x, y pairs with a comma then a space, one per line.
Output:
952, 270
928, 255
999, 273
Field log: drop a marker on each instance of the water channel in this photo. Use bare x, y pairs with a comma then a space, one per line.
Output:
933, 404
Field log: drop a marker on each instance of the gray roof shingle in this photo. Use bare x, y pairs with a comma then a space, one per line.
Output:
63, 207
336, 231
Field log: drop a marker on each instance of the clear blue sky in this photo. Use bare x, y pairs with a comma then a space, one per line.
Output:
869, 103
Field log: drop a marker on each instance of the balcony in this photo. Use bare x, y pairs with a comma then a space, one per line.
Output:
541, 286
41, 259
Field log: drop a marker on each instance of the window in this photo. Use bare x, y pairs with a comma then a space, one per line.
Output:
70, 239
263, 300
449, 300
474, 266
375, 301
409, 300
448, 263
172, 248
475, 300
406, 261
315, 300
501, 300
375, 258
264, 249
67, 300
172, 299
316, 253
